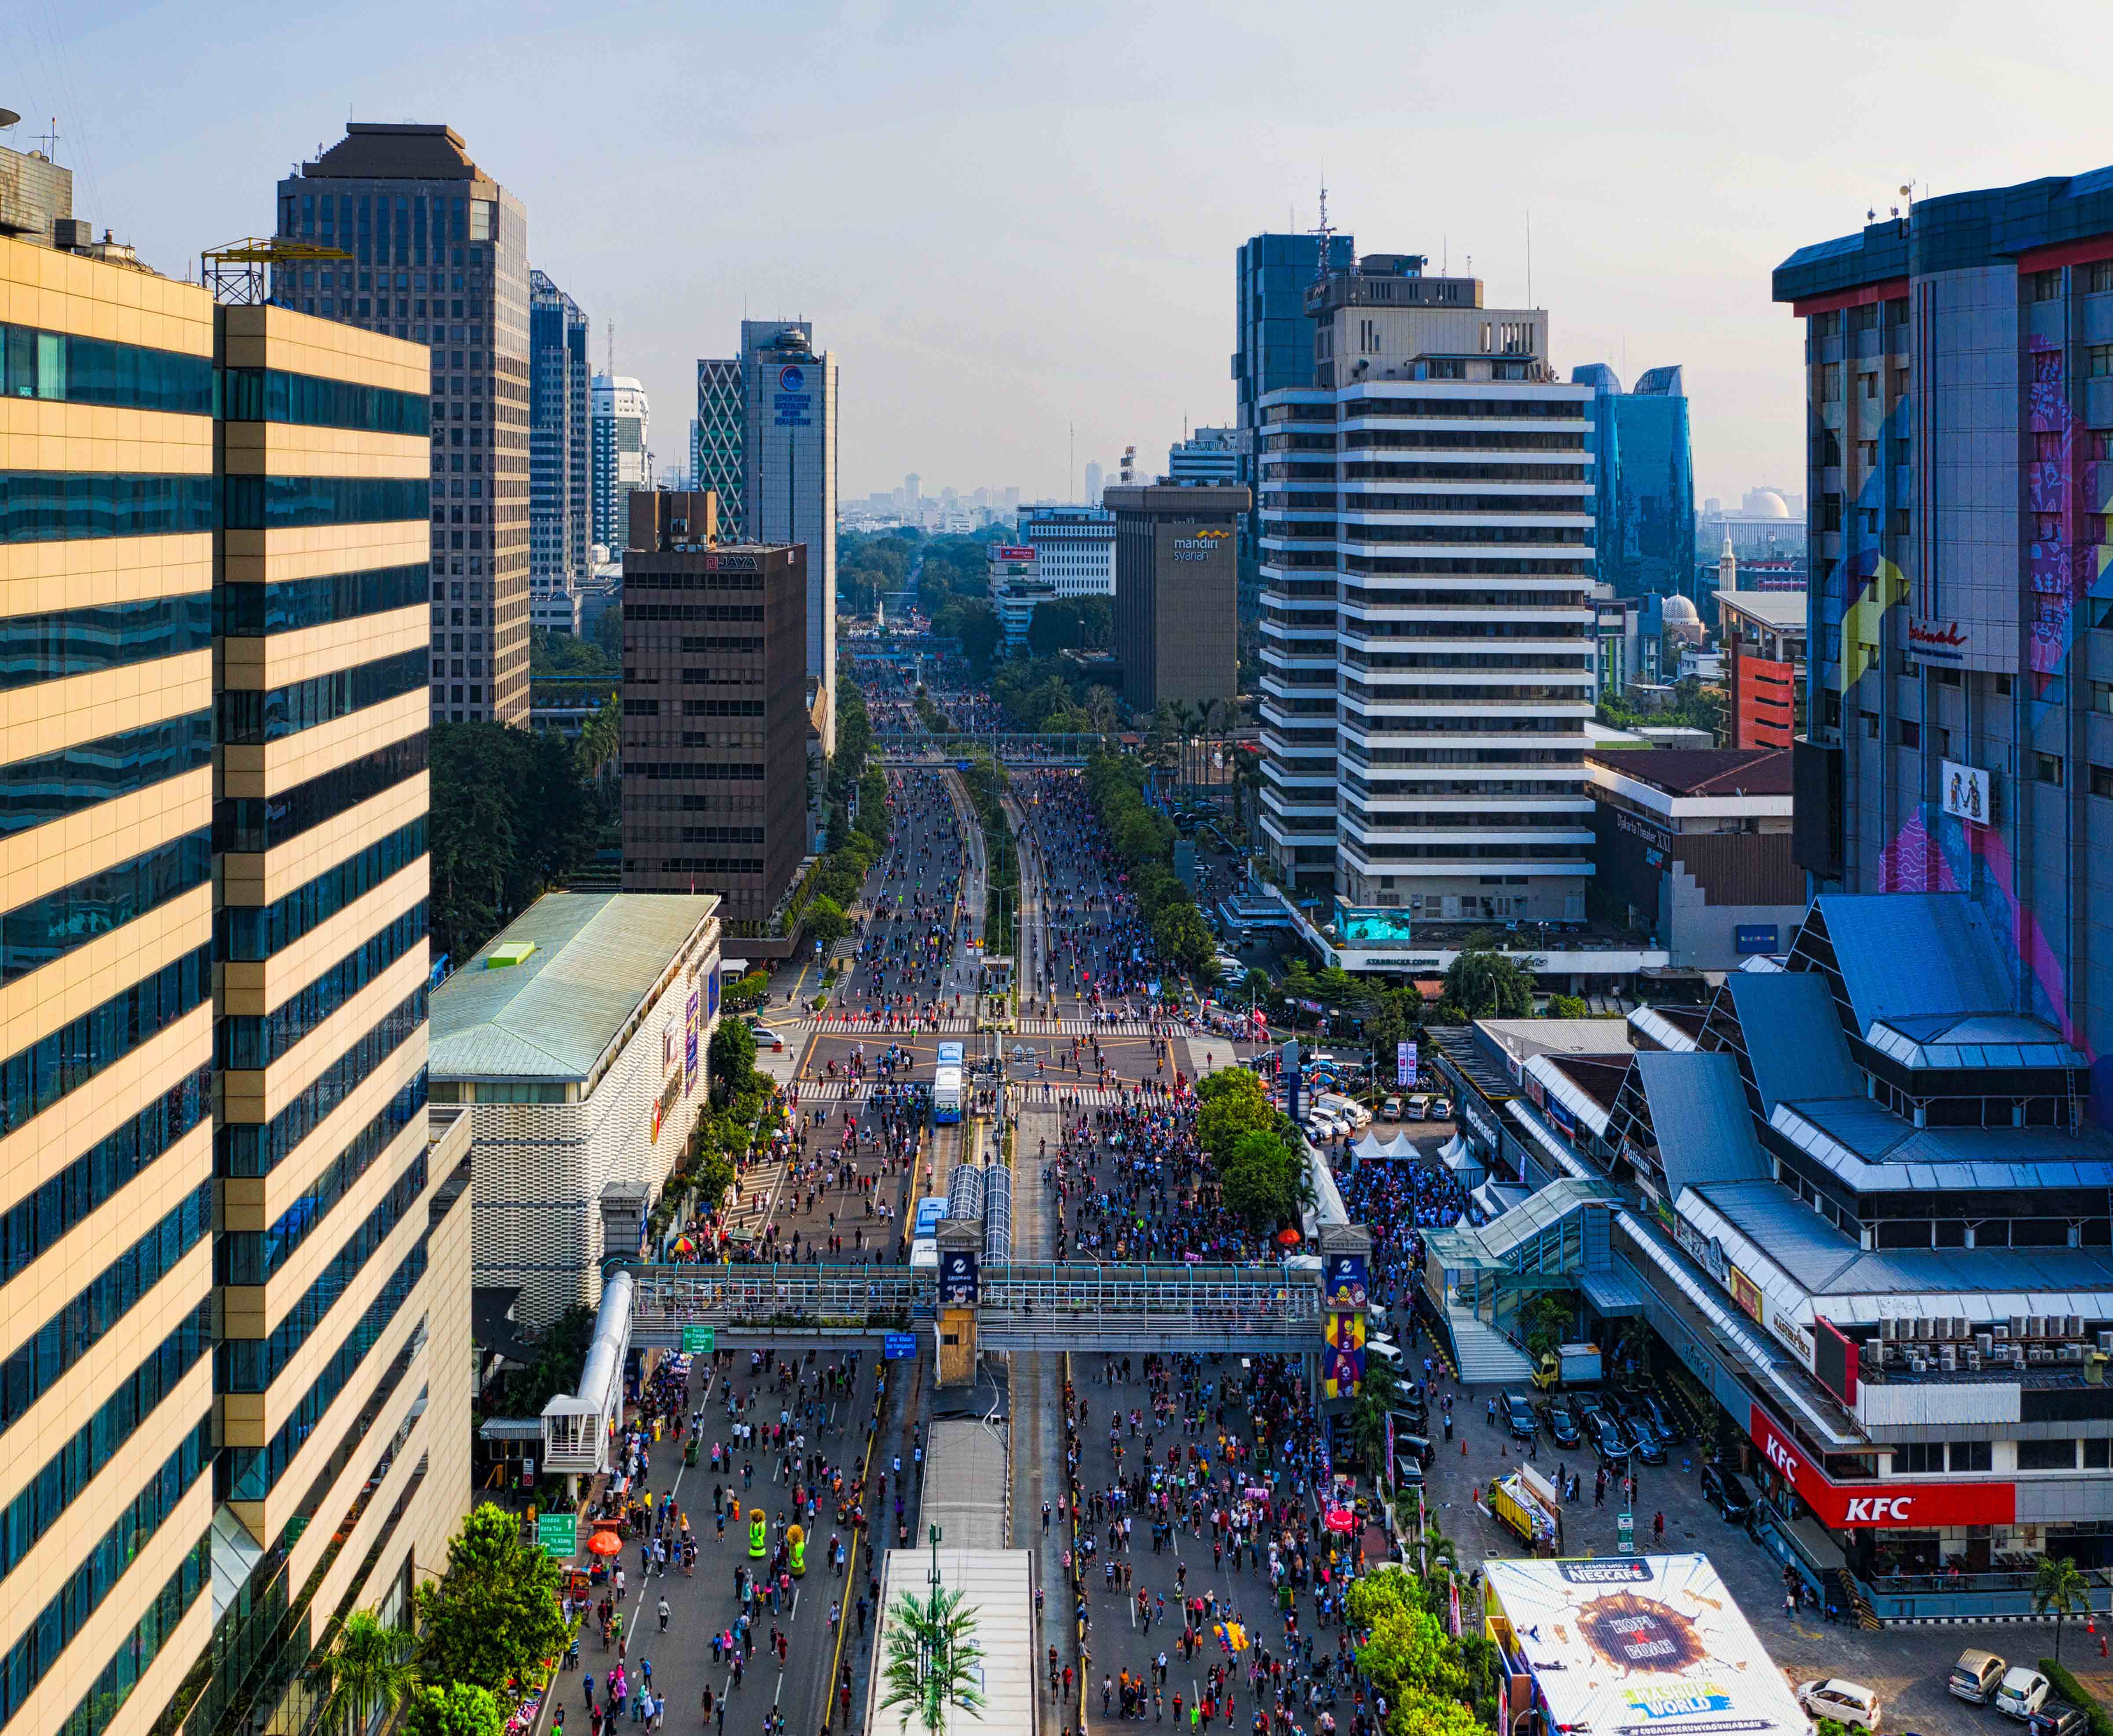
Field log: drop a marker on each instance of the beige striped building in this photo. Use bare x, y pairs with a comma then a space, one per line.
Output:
235, 1364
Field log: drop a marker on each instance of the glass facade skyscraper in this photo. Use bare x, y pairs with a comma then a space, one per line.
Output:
1643, 461
557, 435
1273, 342
716, 460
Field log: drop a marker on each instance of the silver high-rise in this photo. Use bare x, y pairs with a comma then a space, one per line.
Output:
789, 473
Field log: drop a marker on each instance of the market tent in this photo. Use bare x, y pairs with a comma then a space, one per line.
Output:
1370, 1145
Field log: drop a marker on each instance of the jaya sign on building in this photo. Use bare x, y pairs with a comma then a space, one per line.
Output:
1891, 1503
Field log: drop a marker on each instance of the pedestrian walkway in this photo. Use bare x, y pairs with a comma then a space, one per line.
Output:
959, 1023
754, 1195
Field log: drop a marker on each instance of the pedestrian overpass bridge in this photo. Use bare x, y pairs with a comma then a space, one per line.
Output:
1077, 1306
921, 747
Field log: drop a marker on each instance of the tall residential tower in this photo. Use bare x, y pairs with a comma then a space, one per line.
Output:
438, 254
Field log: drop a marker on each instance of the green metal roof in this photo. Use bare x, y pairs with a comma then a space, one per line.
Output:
551, 1016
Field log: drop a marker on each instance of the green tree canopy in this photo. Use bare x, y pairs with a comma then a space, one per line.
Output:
1231, 1104
458, 1709
1263, 1179
731, 1060
493, 1619
826, 922
1486, 983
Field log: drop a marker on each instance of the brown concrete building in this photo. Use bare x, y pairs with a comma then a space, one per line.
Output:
1176, 610
714, 708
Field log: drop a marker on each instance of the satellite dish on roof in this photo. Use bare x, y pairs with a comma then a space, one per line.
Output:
8, 118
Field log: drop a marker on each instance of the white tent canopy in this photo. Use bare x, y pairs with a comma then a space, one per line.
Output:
1369, 1145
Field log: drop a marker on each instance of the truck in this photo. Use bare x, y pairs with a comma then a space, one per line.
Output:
1571, 1364
1526, 1501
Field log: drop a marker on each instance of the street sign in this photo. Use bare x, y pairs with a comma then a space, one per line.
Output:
700, 1340
895, 1347
1625, 1532
559, 1534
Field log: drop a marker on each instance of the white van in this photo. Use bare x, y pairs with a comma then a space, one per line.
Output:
1845, 1702
1417, 1108
1387, 1350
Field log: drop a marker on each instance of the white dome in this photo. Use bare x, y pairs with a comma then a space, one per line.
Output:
1765, 503
1678, 608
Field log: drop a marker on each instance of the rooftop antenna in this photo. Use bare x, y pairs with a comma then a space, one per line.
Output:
609, 327
1326, 233
1529, 257
50, 141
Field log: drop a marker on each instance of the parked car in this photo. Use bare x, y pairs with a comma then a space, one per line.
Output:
1441, 1109
1525, 1426
1562, 1423
1845, 1702
2021, 1692
2058, 1718
1390, 1109
1387, 1350
1408, 1469
1590, 1407
1417, 1108
1607, 1440
1722, 1488
1973, 1678
765, 1037
1418, 1445
1652, 1409
1644, 1440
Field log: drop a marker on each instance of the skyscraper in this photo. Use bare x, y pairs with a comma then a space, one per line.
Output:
559, 443
789, 470
1959, 429
719, 445
439, 255
1209, 455
238, 1269
1644, 478
1272, 348
1093, 474
623, 423
715, 724
1434, 762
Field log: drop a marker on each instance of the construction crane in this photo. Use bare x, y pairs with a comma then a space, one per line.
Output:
235, 272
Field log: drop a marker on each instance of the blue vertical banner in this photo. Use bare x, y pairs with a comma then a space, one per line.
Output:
690, 1027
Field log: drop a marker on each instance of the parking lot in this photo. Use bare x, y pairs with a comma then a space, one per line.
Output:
1907, 1666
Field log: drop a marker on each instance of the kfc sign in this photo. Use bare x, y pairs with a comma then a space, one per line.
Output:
1847, 1506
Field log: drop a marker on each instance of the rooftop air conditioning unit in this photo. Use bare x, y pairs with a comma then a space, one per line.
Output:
2036, 1326
1947, 1359
1983, 1344
1889, 1330
2075, 1326
2105, 1341
1974, 1361
2017, 1326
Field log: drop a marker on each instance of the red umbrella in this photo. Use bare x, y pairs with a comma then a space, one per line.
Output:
1289, 1237
605, 1542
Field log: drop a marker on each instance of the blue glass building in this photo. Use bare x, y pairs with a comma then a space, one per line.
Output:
1274, 347
1644, 462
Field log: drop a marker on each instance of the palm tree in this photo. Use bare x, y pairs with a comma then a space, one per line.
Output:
367, 1667
2059, 1587
1377, 1395
934, 1661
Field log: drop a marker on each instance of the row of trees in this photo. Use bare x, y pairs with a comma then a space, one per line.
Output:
869, 566
1144, 841
1050, 693
513, 812
1253, 1148
1435, 1685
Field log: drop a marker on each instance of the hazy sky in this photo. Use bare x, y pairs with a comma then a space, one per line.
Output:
1004, 220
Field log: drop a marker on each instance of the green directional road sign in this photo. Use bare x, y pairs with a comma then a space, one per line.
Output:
559, 1534
699, 1339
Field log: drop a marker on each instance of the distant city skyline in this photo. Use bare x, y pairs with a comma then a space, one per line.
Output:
1068, 294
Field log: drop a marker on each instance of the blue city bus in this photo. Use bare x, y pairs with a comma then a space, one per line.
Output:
947, 1085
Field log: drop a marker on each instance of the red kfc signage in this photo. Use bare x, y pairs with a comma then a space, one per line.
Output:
1889, 1503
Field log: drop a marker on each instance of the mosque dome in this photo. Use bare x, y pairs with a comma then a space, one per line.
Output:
1765, 503
1678, 610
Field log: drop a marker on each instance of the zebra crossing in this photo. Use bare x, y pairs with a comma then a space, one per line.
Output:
961, 1025
755, 1194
